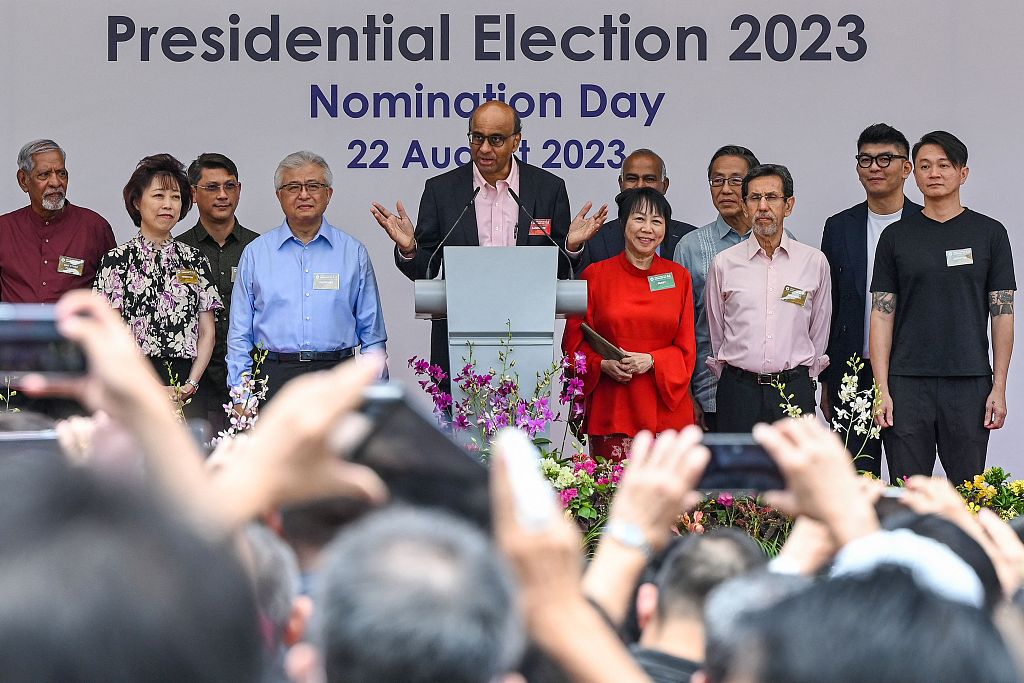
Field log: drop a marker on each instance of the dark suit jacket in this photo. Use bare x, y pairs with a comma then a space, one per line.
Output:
845, 244
444, 197
610, 241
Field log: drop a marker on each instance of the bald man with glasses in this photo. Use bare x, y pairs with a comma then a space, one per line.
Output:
495, 218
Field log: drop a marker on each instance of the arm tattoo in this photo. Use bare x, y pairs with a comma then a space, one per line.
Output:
884, 302
1001, 302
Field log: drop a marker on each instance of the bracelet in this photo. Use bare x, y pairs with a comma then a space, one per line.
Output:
195, 384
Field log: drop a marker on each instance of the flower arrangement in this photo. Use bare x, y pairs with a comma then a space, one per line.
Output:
854, 421
250, 394
995, 490
766, 525
5, 397
493, 399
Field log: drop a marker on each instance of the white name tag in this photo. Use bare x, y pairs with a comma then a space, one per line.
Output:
959, 257
326, 281
234, 272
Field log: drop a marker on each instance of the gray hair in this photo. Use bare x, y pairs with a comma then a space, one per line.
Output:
25, 161
275, 574
730, 604
298, 160
415, 596
643, 151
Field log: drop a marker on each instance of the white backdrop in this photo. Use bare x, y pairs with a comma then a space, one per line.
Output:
76, 73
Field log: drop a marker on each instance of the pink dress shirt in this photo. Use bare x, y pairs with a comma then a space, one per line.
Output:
496, 211
752, 327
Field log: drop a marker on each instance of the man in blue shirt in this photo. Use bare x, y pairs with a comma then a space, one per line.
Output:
305, 291
695, 252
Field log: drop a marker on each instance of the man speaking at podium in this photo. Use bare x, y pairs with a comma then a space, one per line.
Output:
513, 204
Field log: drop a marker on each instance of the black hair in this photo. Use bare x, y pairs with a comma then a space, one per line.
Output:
880, 627
956, 151
700, 563
210, 160
162, 166
734, 151
100, 583
777, 170
638, 198
883, 133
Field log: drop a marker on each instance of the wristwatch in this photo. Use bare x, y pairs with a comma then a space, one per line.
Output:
629, 535
195, 384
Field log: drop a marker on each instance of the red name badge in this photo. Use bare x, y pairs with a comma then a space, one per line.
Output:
540, 226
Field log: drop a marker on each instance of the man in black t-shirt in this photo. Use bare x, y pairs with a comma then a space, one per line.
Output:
938, 277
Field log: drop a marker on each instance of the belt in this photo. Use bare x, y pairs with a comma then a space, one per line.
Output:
306, 356
768, 377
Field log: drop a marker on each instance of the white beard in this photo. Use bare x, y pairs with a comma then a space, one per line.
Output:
54, 203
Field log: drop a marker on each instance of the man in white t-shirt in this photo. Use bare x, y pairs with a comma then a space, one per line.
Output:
849, 242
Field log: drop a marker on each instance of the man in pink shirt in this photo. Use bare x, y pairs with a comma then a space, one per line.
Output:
769, 303
472, 206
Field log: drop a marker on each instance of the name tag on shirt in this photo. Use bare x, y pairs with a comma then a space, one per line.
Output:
540, 226
661, 281
794, 295
71, 266
326, 281
234, 272
187, 276
959, 257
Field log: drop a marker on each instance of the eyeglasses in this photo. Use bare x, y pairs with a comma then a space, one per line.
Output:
719, 181
212, 188
771, 198
311, 187
476, 139
883, 160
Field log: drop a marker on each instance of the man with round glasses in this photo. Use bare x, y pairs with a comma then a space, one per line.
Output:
849, 242
221, 238
769, 303
305, 291
495, 219
696, 251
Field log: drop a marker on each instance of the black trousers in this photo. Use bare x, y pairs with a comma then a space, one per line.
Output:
280, 372
743, 401
871, 453
937, 414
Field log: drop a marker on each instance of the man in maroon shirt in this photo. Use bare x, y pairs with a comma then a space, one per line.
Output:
50, 246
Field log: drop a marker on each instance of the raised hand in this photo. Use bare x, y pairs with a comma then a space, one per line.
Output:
398, 226
583, 227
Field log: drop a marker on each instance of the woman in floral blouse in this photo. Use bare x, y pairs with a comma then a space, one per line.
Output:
163, 288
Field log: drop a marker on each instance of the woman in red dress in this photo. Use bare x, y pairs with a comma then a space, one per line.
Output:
643, 304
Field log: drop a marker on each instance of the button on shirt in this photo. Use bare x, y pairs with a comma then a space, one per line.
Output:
41, 260
751, 326
290, 297
496, 211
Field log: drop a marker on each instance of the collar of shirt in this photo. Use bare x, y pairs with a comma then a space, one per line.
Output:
148, 246
202, 234
754, 247
511, 181
37, 220
722, 228
284, 234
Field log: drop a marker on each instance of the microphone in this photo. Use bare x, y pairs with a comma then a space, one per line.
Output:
533, 220
448, 234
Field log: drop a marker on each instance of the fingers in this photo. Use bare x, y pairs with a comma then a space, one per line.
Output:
995, 415
401, 211
640, 447
582, 215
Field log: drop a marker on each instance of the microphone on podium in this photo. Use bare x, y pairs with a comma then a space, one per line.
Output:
440, 244
533, 221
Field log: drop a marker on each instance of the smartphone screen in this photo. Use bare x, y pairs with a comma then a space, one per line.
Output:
30, 343
420, 464
739, 463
